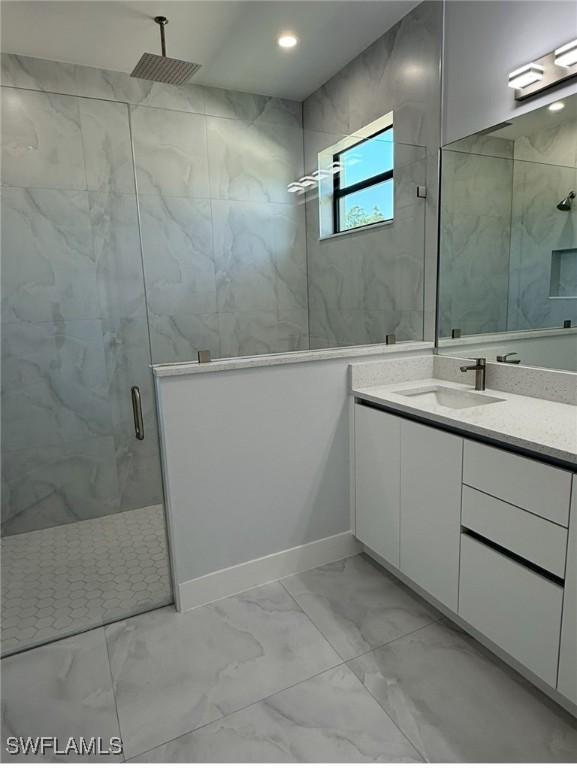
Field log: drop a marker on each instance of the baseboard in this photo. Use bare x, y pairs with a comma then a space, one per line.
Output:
238, 578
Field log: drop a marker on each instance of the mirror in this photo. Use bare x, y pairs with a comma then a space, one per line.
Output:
508, 241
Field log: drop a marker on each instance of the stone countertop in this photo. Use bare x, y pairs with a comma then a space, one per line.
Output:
543, 427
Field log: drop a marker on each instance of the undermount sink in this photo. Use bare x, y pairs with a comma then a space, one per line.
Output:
436, 394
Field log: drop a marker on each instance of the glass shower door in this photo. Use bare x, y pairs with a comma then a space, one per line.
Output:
83, 529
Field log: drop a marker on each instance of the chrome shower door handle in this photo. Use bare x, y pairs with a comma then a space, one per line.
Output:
137, 413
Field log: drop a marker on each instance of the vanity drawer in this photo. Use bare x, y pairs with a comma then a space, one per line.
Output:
539, 488
515, 607
521, 532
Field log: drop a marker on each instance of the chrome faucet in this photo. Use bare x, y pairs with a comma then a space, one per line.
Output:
506, 358
480, 369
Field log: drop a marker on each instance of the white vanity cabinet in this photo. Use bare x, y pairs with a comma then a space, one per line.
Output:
378, 481
408, 498
489, 533
567, 681
431, 509
514, 518
512, 605
531, 485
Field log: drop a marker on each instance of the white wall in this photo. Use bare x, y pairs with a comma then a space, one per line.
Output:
256, 461
484, 41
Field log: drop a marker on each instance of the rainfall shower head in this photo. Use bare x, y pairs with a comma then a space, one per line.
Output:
163, 69
567, 202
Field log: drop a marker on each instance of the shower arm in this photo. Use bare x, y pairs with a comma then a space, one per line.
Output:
162, 21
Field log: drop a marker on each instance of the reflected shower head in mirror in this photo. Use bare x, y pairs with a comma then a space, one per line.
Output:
567, 202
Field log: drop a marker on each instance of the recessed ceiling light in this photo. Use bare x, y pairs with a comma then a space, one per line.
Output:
557, 106
287, 40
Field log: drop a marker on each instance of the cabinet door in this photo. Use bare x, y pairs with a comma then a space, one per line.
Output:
513, 606
567, 681
377, 481
431, 470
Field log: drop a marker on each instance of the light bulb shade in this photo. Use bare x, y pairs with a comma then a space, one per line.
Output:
526, 75
566, 55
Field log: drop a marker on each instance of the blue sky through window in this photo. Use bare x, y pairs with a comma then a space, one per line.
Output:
370, 158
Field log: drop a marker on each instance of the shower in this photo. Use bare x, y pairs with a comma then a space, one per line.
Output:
567, 202
162, 69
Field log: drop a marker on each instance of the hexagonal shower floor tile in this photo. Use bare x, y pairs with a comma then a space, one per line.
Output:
70, 578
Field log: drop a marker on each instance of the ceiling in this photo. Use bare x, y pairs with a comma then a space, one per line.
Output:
234, 40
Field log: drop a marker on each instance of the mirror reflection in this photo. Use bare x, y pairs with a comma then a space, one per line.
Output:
508, 240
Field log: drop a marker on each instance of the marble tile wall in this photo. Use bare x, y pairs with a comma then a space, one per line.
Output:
223, 242
366, 284
52, 76
245, 290
121, 196
199, 152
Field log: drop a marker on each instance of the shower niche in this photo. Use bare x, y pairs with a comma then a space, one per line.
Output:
564, 274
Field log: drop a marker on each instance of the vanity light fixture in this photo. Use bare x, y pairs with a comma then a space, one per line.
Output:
546, 72
526, 75
566, 55
287, 40
557, 106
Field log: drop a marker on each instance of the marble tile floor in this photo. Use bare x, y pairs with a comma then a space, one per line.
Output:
337, 664
66, 579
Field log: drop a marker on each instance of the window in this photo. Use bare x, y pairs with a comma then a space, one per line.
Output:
363, 184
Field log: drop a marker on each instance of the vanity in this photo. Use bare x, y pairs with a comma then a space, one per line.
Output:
471, 498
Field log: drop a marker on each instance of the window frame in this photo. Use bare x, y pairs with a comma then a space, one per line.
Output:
340, 192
